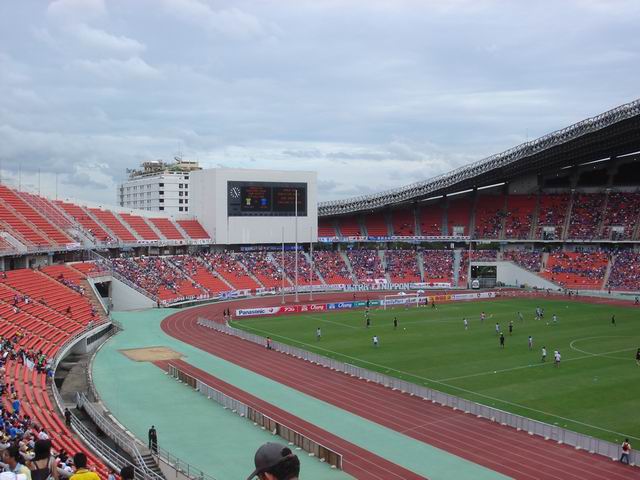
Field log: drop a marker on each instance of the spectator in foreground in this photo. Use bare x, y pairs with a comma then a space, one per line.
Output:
43, 466
12, 458
626, 451
82, 473
127, 473
274, 461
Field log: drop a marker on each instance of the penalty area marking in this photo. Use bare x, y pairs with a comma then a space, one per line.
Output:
603, 354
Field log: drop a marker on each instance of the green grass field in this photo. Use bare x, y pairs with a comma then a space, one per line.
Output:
595, 390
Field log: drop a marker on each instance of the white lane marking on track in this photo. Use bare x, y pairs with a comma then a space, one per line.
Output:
471, 392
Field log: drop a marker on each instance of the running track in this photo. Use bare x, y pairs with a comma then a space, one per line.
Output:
356, 461
502, 449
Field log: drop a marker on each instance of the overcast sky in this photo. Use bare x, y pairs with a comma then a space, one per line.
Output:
370, 94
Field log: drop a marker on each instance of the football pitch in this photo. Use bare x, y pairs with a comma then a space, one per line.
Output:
595, 390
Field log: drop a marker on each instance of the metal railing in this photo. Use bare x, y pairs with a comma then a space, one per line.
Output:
325, 454
120, 438
533, 427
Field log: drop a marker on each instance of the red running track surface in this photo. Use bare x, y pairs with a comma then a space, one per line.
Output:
502, 449
356, 461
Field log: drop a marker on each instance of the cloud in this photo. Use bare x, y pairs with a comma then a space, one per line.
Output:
94, 38
76, 10
118, 70
230, 22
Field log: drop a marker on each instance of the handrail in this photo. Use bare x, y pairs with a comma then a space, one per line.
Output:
119, 438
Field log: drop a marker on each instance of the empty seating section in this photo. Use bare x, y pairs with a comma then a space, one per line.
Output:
577, 270
263, 269
197, 271
431, 220
55, 295
228, 268
304, 268
332, 267
25, 233
489, 215
158, 277
47, 208
531, 260
623, 210
167, 228
376, 225
552, 213
404, 222
140, 226
87, 222
326, 228
85, 267
438, 266
458, 215
194, 229
49, 231
112, 223
586, 216
402, 266
349, 227
64, 272
366, 265
625, 273
519, 216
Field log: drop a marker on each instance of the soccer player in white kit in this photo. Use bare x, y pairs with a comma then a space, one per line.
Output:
466, 324
544, 354
375, 340
530, 342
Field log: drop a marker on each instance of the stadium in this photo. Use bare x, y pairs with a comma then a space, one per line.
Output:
397, 335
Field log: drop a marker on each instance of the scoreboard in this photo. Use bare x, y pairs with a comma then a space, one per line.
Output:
269, 199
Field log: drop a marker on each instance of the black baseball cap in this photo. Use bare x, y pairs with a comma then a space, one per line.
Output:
268, 456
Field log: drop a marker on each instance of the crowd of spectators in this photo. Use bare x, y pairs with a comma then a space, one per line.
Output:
520, 210
623, 210
489, 215
332, 267
402, 266
22, 441
304, 267
263, 268
531, 260
577, 269
366, 265
159, 277
225, 264
552, 213
625, 274
438, 265
586, 216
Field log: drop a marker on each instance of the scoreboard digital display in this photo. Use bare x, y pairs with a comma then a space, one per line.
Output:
274, 199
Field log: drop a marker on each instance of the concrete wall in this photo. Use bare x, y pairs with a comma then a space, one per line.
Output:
513, 275
123, 297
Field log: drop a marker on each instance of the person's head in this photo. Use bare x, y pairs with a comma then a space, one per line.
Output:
274, 461
11, 456
626, 440
80, 460
42, 449
127, 473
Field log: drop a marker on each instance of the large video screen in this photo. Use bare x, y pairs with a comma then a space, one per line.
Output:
275, 199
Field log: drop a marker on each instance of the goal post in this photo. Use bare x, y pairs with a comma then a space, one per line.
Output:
403, 299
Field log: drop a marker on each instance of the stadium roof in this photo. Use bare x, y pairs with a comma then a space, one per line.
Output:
612, 133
